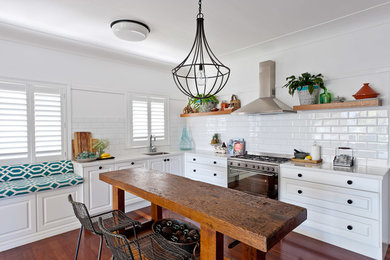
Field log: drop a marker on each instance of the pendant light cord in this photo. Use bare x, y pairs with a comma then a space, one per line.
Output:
200, 15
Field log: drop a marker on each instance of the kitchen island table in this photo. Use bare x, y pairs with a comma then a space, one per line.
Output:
259, 223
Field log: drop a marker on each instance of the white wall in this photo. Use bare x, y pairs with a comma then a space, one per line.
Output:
98, 85
347, 60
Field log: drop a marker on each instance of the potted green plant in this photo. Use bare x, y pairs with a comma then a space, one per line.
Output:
203, 105
100, 145
307, 85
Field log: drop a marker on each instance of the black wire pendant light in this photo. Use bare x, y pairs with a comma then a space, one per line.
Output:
201, 74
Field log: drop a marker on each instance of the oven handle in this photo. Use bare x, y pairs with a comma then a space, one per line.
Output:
244, 170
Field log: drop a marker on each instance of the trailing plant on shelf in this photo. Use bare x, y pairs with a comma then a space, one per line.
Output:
203, 105
307, 85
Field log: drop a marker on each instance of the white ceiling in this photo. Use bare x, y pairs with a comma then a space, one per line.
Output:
230, 24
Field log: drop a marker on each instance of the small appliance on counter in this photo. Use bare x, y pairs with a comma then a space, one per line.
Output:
344, 157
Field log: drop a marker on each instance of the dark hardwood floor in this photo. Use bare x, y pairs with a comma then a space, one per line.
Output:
293, 247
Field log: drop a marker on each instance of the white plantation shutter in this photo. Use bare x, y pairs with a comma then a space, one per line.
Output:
148, 116
157, 113
140, 120
13, 122
32, 124
48, 122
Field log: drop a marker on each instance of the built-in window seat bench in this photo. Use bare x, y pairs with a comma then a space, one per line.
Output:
33, 201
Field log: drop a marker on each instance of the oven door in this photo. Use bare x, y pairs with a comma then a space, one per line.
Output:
253, 182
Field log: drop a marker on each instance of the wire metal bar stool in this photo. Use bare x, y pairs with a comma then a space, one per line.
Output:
148, 247
113, 220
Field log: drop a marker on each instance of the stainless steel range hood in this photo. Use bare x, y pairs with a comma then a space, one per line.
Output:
267, 103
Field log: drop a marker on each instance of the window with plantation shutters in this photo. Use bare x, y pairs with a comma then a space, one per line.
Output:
48, 122
32, 124
13, 122
147, 116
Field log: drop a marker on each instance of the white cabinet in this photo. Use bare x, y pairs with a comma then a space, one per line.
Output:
18, 217
98, 194
130, 199
210, 169
170, 164
342, 209
54, 209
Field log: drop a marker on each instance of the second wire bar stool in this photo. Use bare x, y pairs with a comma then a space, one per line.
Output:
113, 220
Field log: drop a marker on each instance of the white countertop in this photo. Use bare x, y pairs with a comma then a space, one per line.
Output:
131, 155
359, 171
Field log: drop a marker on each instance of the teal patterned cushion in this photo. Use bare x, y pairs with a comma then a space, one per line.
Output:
27, 171
24, 186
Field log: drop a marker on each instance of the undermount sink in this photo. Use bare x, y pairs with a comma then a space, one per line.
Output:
156, 153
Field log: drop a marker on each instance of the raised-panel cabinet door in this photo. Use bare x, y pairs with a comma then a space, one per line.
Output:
17, 217
54, 209
131, 198
157, 164
100, 193
174, 165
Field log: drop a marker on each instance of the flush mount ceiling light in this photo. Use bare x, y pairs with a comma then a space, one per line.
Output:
130, 30
201, 75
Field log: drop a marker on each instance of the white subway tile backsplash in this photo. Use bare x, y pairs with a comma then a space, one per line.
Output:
357, 129
367, 121
366, 131
348, 122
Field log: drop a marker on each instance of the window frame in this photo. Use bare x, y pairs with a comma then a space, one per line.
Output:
31, 87
148, 98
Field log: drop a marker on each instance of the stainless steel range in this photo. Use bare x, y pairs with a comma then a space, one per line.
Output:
255, 174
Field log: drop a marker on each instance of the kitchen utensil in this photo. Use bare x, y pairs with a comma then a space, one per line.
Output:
82, 142
299, 154
344, 157
306, 161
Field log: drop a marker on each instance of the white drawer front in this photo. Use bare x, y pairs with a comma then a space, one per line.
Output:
214, 175
211, 161
359, 203
344, 226
331, 179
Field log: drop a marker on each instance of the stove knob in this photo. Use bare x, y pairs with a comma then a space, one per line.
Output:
272, 169
253, 166
231, 163
263, 168
238, 164
267, 168
246, 165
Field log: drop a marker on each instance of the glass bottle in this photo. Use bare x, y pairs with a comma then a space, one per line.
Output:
185, 142
325, 97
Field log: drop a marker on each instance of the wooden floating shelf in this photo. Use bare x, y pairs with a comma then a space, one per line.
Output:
224, 112
348, 104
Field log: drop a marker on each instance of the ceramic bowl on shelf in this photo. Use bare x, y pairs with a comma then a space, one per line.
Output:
365, 92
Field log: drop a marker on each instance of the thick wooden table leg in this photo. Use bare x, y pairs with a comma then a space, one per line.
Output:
250, 253
156, 212
211, 244
118, 199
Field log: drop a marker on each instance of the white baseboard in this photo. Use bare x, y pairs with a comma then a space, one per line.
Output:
38, 236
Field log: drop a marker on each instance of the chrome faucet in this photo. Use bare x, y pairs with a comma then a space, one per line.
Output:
152, 148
